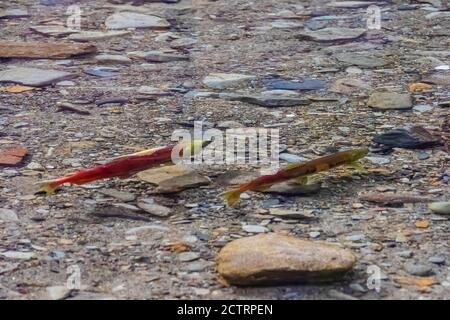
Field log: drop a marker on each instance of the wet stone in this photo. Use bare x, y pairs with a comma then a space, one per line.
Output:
120, 195
363, 60
418, 270
125, 20
158, 56
254, 228
172, 179
314, 24
289, 188
86, 36
411, 138
13, 13
183, 43
8, 215
286, 24
17, 255
390, 101
188, 256
290, 214
44, 50
440, 207
272, 259
351, 4
436, 260
269, 99
33, 77
306, 84
57, 292
102, 72
349, 86
112, 59
225, 80
154, 209
332, 34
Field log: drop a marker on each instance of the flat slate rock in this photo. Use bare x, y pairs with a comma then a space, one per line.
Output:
172, 179
13, 13
102, 72
352, 4
294, 189
438, 78
226, 80
112, 59
314, 24
154, 208
306, 84
360, 60
270, 99
8, 215
86, 36
17, 255
440, 207
158, 56
125, 20
332, 34
349, 86
33, 77
412, 138
390, 101
56, 31
273, 259
44, 50
286, 24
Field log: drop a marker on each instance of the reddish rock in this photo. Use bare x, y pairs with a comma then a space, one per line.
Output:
44, 50
12, 156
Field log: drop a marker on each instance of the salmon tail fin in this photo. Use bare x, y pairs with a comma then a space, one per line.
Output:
48, 186
232, 197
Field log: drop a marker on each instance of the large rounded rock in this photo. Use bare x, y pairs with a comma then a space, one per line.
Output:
272, 259
390, 101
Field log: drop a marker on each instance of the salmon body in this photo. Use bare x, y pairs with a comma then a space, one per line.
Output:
126, 166
296, 170
122, 167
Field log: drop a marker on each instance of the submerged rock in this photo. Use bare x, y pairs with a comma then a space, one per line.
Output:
172, 179
411, 138
390, 101
158, 56
270, 99
125, 20
8, 215
306, 84
332, 34
440, 207
85, 36
226, 80
44, 50
360, 60
272, 259
33, 77
294, 189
